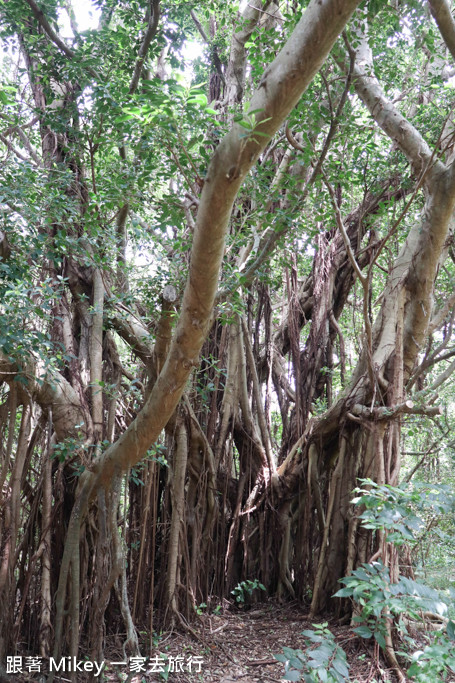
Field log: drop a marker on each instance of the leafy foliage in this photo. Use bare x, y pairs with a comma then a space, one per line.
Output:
245, 590
377, 599
400, 511
437, 660
323, 660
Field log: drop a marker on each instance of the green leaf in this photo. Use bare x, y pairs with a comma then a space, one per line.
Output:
313, 636
341, 666
295, 663
413, 670
124, 117
363, 631
380, 639
361, 573
289, 652
261, 134
451, 630
343, 593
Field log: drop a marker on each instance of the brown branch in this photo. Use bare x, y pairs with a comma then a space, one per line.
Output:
344, 234
29, 147
213, 49
13, 128
236, 68
383, 111
269, 243
257, 396
42, 20
390, 412
440, 9
432, 162
432, 448
199, 27
148, 37
292, 140
365, 280
12, 148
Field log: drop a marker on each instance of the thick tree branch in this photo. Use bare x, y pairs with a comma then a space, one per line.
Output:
440, 9
390, 412
135, 334
282, 84
154, 16
235, 73
384, 112
52, 392
199, 27
42, 20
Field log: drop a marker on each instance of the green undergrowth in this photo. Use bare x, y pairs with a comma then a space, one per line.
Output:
399, 515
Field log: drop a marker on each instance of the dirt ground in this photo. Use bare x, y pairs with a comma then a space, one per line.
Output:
239, 647
234, 646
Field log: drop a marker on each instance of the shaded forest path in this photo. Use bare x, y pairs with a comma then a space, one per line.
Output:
239, 646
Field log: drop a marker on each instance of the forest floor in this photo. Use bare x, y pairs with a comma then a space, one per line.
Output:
233, 646
239, 646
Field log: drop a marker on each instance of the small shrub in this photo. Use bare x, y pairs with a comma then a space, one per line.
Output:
377, 599
437, 660
322, 661
245, 589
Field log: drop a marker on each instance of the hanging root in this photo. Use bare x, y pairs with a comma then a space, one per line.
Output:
390, 655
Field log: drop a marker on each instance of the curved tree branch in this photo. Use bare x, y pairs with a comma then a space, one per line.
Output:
282, 84
440, 9
152, 26
42, 20
52, 392
384, 112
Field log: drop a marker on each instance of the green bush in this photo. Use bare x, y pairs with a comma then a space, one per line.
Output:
437, 660
398, 513
322, 661
377, 600
245, 589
